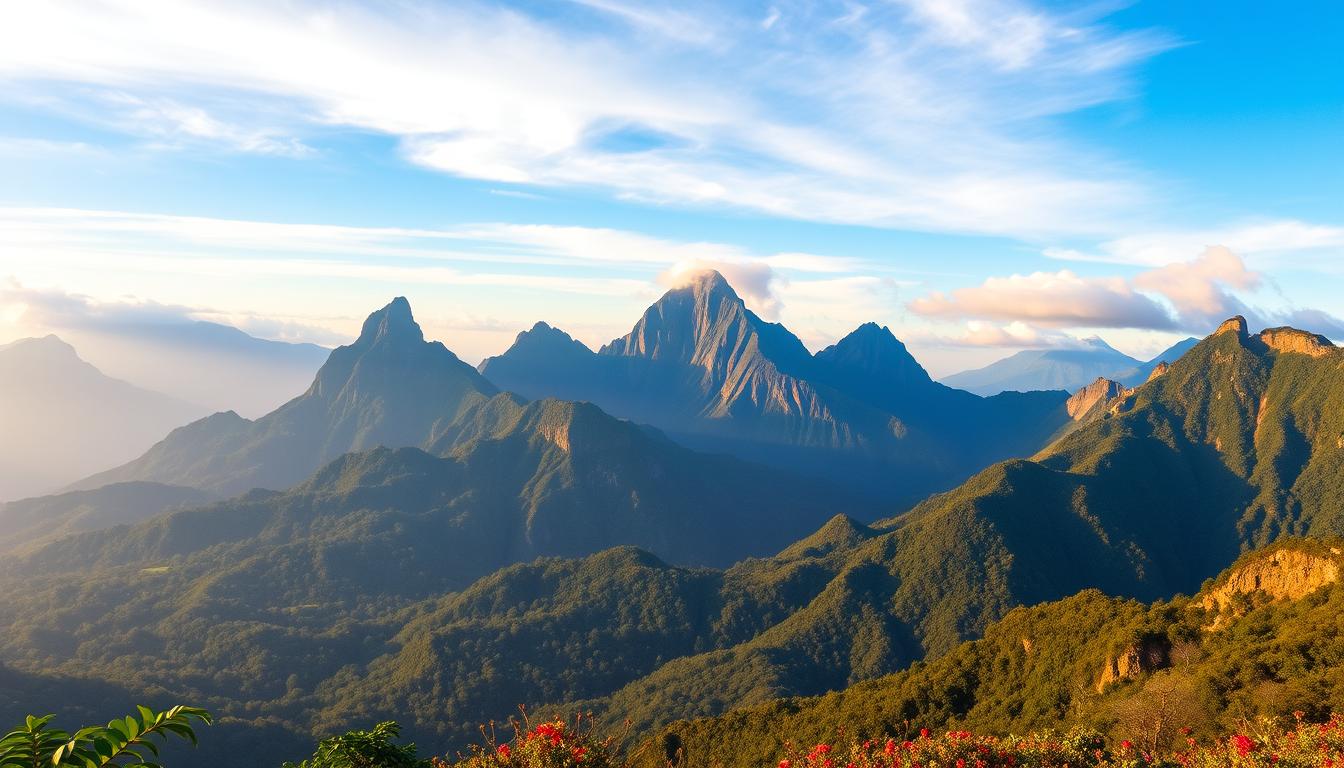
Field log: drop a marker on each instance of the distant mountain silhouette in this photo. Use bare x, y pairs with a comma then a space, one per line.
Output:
714, 375
1066, 369
62, 418
1041, 369
1142, 373
215, 365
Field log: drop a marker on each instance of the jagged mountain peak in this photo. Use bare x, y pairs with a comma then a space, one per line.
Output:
708, 282
392, 321
706, 324
873, 350
545, 337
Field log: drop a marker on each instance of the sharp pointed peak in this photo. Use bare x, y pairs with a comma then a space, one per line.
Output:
394, 320
703, 284
871, 330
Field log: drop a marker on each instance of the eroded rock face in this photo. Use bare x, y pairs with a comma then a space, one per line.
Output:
1235, 325
1286, 574
1101, 391
1137, 659
1159, 370
1291, 340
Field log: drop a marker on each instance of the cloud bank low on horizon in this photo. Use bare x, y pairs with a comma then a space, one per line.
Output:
592, 282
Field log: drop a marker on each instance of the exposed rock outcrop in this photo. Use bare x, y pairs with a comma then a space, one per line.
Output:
1099, 392
1137, 659
1291, 340
1285, 574
1235, 325
1158, 370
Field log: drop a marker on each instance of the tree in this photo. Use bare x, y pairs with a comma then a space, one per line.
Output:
1166, 703
120, 744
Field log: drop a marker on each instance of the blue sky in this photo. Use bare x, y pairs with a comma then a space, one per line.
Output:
981, 176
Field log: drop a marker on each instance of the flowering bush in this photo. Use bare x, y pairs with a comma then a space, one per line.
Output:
551, 744
1264, 745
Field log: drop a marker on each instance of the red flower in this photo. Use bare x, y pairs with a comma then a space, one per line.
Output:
890, 747
785, 764
923, 733
1126, 745
578, 753
961, 763
504, 751
1243, 744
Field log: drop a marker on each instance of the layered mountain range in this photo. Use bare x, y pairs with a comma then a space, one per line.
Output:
715, 376
391, 571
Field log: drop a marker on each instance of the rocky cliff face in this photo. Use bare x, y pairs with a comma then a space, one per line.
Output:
1293, 341
1140, 658
1236, 324
1285, 574
1098, 393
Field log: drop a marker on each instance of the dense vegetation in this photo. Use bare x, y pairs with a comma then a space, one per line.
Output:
1140, 672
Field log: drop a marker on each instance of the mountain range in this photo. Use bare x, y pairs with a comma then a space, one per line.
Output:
412, 538
1066, 369
64, 419
715, 376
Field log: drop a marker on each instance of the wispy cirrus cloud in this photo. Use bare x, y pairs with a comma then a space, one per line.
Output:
910, 114
1286, 241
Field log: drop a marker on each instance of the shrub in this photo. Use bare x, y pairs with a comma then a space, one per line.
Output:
364, 749
550, 744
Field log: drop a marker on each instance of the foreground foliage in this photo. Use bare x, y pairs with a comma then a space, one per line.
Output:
550, 744
1255, 745
364, 749
127, 743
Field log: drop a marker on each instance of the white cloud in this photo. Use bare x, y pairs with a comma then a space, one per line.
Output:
1192, 296
1201, 290
1055, 299
753, 281
925, 115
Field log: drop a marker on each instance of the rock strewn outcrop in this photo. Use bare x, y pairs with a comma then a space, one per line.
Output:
1292, 340
1160, 369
